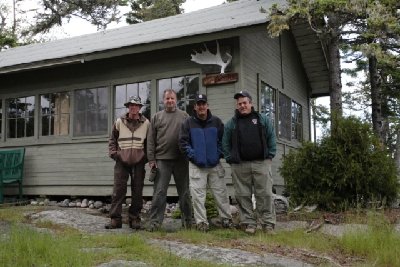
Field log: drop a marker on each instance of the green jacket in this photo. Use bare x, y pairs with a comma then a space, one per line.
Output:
230, 145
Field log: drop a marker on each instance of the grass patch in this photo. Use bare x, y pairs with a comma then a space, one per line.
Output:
65, 246
23, 246
380, 244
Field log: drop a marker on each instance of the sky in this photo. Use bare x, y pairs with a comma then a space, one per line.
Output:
77, 26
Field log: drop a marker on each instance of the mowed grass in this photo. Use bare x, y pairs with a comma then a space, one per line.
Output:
23, 245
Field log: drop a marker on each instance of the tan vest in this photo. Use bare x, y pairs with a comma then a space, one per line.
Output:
127, 139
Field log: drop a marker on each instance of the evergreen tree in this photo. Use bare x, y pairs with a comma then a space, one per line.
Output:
145, 10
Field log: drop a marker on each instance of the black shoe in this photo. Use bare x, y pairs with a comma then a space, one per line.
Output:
114, 224
134, 223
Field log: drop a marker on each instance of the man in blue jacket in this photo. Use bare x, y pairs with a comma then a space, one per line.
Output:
249, 145
200, 140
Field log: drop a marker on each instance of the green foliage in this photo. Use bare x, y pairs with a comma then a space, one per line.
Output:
145, 10
344, 170
211, 207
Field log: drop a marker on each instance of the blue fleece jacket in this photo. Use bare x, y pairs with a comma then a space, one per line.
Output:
200, 140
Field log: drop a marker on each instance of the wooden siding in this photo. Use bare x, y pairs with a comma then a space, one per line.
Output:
80, 166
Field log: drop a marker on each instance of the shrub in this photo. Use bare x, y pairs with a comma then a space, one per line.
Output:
348, 169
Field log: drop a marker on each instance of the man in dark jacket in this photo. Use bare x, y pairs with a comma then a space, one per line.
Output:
200, 140
126, 147
249, 145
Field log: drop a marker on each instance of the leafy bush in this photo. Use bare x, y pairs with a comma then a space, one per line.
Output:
348, 169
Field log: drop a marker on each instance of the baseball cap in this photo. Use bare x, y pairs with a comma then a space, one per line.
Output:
242, 94
201, 98
134, 100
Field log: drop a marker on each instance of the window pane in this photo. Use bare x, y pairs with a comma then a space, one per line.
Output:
131, 89
284, 127
120, 96
55, 111
297, 122
91, 112
267, 101
123, 92
20, 117
1, 118
186, 88
162, 85
145, 95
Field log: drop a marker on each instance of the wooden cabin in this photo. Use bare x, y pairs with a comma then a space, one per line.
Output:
59, 99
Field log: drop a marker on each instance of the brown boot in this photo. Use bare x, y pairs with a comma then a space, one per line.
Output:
134, 223
114, 224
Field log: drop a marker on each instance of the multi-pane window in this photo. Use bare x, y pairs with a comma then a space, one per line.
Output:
297, 122
91, 111
20, 117
290, 124
55, 114
186, 88
124, 91
268, 101
284, 123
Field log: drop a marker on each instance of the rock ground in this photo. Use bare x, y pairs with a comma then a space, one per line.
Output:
93, 221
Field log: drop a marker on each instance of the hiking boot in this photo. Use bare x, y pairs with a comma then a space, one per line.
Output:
152, 227
268, 229
202, 227
134, 223
227, 223
250, 229
114, 224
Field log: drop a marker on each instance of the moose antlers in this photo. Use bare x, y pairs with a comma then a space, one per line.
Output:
206, 57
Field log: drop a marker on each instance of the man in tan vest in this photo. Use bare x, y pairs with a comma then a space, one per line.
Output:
126, 147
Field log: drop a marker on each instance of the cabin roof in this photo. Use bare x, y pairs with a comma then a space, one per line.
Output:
224, 17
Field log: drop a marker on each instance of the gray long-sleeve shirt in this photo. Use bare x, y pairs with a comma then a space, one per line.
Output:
162, 141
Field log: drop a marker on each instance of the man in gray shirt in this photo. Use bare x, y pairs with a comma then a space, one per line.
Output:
163, 153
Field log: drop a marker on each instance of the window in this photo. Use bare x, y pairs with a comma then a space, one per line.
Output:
20, 117
1, 118
55, 114
284, 124
186, 87
268, 101
124, 91
91, 111
290, 124
297, 124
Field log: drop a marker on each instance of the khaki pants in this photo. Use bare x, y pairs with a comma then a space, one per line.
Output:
254, 177
214, 178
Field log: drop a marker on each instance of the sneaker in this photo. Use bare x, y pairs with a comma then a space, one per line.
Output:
227, 223
152, 227
250, 229
202, 227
